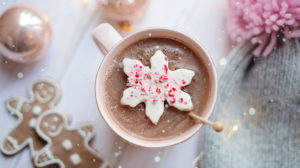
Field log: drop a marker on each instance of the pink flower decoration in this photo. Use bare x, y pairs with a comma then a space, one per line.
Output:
264, 22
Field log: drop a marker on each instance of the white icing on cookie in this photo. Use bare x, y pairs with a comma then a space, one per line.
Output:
53, 127
45, 124
154, 86
32, 123
55, 119
48, 153
75, 159
36, 110
13, 141
84, 134
55, 133
67, 145
42, 99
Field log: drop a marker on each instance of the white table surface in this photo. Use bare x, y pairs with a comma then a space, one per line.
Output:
73, 59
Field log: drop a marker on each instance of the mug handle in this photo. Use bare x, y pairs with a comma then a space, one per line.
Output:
105, 37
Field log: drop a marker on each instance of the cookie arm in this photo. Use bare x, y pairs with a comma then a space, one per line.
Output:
86, 130
14, 105
14, 142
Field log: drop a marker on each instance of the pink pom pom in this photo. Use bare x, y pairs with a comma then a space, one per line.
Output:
264, 22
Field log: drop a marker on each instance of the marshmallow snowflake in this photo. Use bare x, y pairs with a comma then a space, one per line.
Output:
154, 86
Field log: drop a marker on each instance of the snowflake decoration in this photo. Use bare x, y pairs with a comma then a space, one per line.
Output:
154, 86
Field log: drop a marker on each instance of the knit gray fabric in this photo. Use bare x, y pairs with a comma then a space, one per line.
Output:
260, 98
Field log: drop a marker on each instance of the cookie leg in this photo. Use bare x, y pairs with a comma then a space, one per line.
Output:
14, 142
10, 146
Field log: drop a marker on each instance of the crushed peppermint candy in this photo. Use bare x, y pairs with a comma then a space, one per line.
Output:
154, 86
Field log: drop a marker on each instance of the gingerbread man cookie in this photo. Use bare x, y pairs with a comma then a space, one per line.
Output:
44, 94
67, 147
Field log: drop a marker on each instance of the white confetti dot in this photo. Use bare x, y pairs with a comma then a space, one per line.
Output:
163, 131
252, 111
156, 159
223, 61
94, 160
168, 121
235, 128
3, 3
42, 69
119, 166
20, 75
283, 39
117, 154
150, 34
6, 62
156, 47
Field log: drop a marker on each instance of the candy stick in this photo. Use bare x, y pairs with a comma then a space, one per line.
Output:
218, 126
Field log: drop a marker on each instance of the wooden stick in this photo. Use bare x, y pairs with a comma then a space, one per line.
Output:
218, 126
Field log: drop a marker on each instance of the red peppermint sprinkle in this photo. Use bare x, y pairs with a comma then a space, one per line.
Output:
141, 67
155, 100
181, 100
166, 69
174, 89
166, 58
163, 78
167, 85
137, 74
173, 100
170, 93
185, 102
143, 89
158, 90
141, 83
136, 81
183, 82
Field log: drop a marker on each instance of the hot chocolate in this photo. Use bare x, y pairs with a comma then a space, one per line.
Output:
173, 121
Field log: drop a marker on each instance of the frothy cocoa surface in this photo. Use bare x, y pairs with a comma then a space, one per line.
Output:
173, 122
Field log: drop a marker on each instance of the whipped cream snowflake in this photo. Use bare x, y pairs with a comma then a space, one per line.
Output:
154, 86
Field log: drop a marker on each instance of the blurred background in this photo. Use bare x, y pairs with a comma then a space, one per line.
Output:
73, 59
